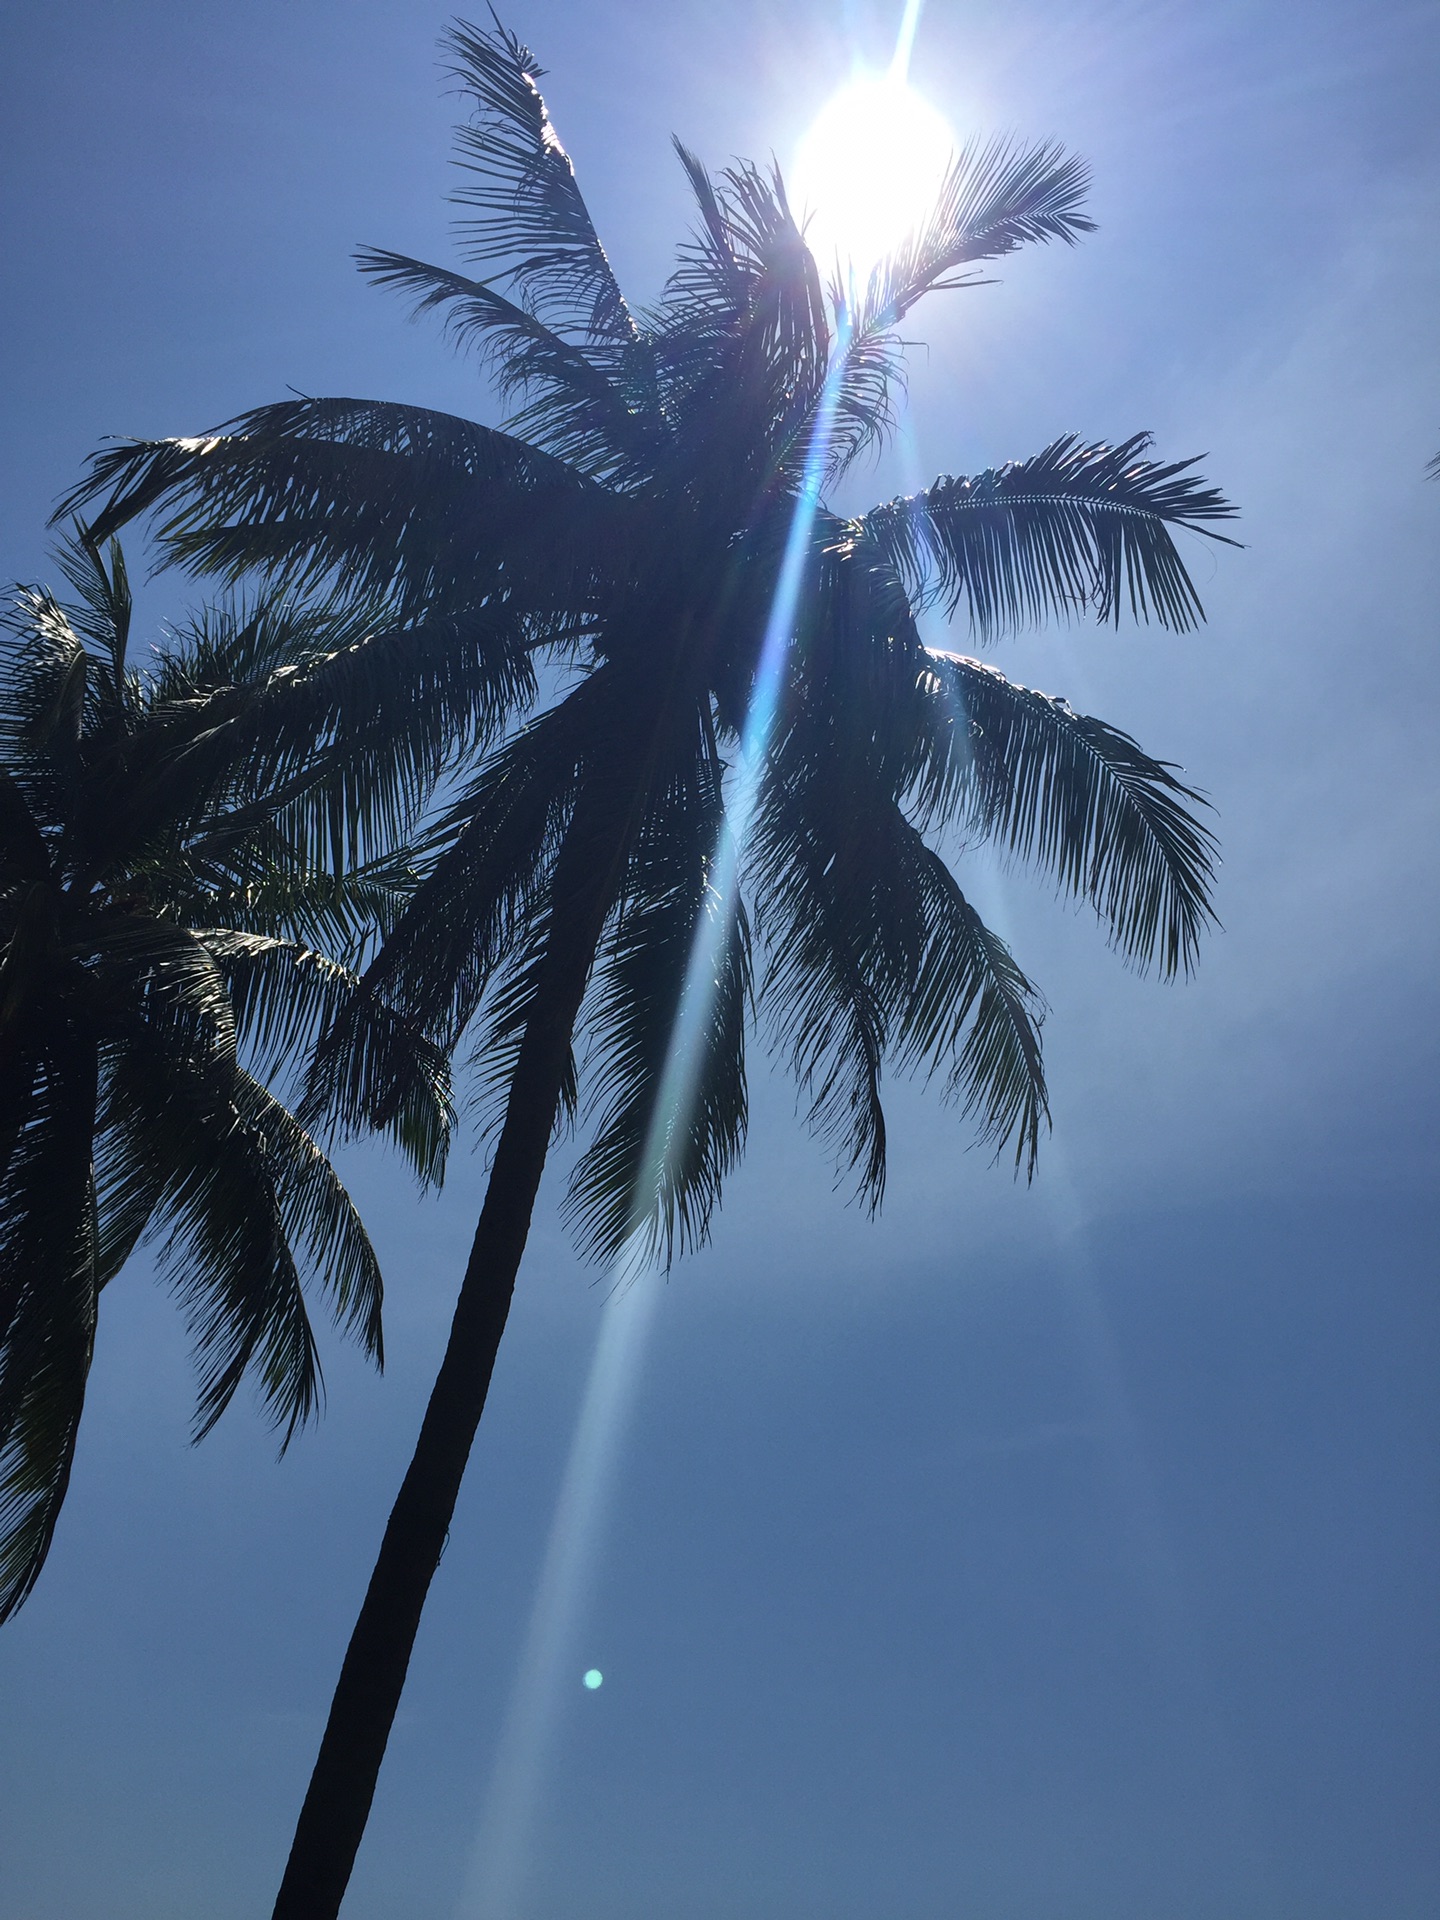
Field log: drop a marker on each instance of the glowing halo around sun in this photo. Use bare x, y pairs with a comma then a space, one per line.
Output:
868, 171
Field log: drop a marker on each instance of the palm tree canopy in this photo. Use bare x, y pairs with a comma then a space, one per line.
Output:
170, 943
630, 522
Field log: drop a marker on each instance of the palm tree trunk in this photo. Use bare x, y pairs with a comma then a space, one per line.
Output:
342, 1786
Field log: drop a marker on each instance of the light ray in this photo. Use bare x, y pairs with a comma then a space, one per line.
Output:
905, 39
494, 1888
495, 1884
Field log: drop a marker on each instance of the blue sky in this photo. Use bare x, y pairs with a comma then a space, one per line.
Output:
1053, 1554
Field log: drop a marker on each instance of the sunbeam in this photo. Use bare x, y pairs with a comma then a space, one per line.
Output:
494, 1887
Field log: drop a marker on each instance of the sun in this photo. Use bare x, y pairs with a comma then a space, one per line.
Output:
867, 171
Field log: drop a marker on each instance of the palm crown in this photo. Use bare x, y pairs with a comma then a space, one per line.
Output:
649, 522
631, 518
167, 947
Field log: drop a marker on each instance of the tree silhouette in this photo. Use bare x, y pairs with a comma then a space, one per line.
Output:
736, 807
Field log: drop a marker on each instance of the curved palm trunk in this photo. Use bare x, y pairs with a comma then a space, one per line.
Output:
342, 1786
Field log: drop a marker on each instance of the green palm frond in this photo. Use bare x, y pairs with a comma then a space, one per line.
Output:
530, 227
341, 767
99, 576
314, 751
997, 196
1073, 528
496, 846
47, 671
318, 1217
268, 890
493, 855
374, 1069
1081, 800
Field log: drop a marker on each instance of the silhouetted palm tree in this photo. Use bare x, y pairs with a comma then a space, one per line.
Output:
725, 649
167, 946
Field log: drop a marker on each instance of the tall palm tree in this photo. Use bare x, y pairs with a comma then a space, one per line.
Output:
730, 657
167, 948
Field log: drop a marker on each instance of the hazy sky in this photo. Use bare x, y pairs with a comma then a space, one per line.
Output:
1066, 1553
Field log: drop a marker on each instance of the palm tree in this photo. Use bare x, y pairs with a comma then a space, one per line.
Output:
167, 947
737, 802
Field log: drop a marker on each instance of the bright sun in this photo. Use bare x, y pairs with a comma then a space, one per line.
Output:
868, 170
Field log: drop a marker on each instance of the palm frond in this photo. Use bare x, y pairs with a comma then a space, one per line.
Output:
343, 756
496, 847
530, 227
741, 336
341, 915
420, 509
997, 195
491, 863
284, 995
320, 761
972, 1013
375, 1069
1083, 801
661, 1032
1073, 528
570, 406
46, 670
177, 1123
98, 574
143, 968
318, 1217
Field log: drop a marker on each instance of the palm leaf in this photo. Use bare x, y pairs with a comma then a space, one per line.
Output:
182, 1144
741, 337
973, 1012
660, 1032
530, 226
318, 1217
390, 500
1082, 800
1073, 527
572, 408
997, 196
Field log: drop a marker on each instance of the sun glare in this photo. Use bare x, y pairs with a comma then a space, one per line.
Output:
868, 171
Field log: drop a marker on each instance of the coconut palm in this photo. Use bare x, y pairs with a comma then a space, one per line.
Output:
740, 800
167, 947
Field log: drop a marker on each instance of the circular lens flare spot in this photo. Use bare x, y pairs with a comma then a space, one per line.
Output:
868, 171
594, 1678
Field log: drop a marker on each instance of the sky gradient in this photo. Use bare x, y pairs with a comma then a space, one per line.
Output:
1061, 1553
